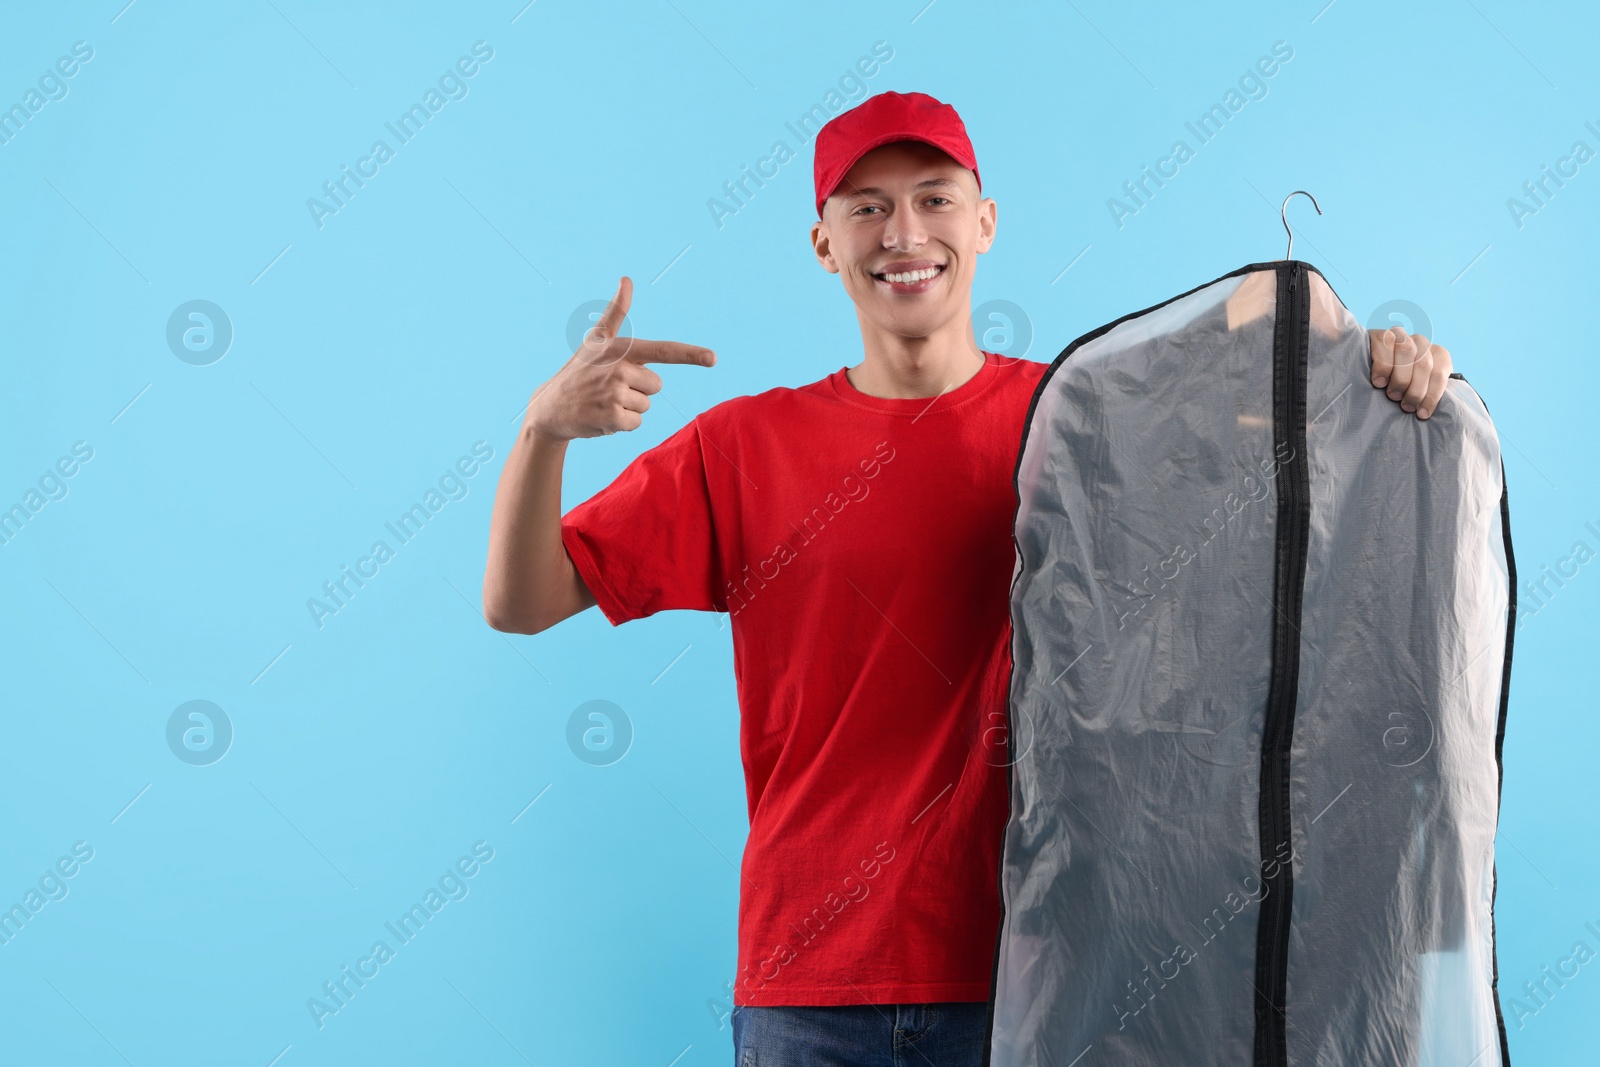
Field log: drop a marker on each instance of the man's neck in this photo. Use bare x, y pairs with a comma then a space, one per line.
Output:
913, 367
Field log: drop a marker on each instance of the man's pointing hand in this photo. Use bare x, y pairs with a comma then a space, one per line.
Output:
605, 386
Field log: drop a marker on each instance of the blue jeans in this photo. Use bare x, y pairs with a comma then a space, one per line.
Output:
948, 1034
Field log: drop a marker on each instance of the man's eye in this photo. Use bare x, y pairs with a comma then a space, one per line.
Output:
941, 199
865, 207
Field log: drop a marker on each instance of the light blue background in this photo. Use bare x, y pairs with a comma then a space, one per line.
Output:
371, 353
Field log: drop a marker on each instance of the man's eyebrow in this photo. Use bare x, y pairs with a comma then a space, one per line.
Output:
873, 190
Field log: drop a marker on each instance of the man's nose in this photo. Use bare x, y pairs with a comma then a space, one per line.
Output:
904, 231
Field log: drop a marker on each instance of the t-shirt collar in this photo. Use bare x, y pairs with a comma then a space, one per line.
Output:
917, 404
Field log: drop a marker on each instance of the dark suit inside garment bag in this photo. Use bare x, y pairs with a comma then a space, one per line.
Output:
1261, 648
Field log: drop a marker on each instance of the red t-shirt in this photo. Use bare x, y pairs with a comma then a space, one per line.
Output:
862, 547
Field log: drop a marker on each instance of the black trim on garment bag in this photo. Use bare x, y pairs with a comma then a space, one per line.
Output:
1500, 735
1499, 743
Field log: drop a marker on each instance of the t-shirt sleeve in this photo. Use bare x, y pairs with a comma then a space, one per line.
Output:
647, 542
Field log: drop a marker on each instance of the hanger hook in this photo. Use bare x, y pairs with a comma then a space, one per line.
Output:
1283, 213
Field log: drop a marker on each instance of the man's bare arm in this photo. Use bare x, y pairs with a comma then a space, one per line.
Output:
530, 583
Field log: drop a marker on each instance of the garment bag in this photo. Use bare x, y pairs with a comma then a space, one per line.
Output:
1261, 648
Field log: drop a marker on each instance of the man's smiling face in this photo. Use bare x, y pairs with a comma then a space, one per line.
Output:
903, 231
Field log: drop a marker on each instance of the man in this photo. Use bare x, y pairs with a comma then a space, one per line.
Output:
858, 532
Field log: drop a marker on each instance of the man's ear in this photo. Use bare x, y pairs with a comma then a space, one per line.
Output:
988, 213
819, 245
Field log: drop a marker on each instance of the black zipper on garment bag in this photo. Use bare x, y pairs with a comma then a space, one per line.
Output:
1289, 357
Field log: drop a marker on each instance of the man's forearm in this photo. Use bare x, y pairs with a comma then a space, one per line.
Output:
530, 583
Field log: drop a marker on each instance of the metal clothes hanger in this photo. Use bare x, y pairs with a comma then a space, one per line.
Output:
1283, 213
1327, 313
1255, 296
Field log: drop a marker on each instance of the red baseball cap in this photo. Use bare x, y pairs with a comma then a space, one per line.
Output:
881, 120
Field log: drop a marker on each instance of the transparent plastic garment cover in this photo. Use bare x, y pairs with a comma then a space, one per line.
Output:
1260, 637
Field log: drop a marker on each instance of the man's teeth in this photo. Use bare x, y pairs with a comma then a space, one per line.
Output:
913, 276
